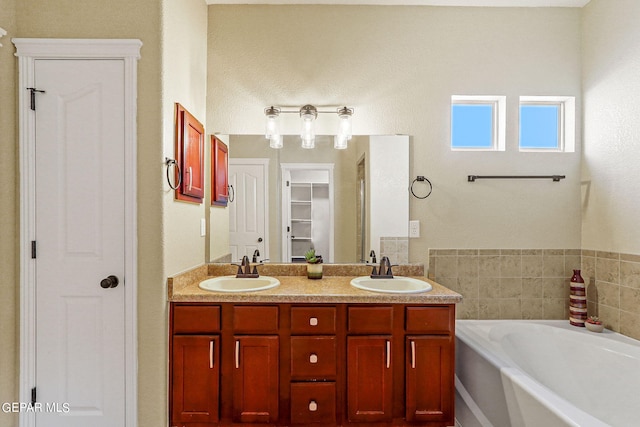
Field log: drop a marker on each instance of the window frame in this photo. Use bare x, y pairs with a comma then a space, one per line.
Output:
566, 122
498, 120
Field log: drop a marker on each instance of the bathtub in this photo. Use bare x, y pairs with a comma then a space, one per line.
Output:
544, 373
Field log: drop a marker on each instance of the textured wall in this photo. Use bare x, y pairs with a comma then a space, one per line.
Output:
399, 66
611, 66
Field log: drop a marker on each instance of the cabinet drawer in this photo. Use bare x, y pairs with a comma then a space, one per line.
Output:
313, 358
194, 319
432, 320
370, 319
313, 320
313, 403
251, 319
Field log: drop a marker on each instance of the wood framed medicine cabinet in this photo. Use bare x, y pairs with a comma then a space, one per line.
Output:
219, 172
189, 151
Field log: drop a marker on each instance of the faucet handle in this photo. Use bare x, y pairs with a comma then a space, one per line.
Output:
255, 269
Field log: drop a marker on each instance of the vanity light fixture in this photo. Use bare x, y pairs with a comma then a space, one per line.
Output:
308, 115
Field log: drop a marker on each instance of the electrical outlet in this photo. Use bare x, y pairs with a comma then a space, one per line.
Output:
414, 228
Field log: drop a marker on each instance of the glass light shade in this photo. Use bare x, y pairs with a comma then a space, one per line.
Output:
344, 128
339, 142
272, 128
308, 131
275, 141
308, 142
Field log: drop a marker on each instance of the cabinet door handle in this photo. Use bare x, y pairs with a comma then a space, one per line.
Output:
190, 177
313, 406
237, 354
413, 354
313, 358
388, 354
210, 354
313, 321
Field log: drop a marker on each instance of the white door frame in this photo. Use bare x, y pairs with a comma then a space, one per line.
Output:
28, 50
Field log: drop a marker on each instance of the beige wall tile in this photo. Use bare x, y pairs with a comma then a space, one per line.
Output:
610, 317
552, 252
630, 274
531, 265
468, 266
510, 266
630, 299
488, 309
608, 294
630, 324
555, 288
511, 287
588, 268
532, 288
609, 255
468, 286
553, 265
630, 257
510, 308
489, 266
607, 270
446, 266
553, 308
532, 308
467, 309
571, 262
489, 288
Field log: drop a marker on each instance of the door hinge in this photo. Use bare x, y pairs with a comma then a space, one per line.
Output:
33, 396
33, 96
33, 249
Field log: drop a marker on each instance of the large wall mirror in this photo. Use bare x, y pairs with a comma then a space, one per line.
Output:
343, 203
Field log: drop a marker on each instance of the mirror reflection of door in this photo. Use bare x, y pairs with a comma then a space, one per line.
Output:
307, 210
249, 213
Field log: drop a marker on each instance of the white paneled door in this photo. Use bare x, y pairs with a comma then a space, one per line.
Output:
248, 213
80, 243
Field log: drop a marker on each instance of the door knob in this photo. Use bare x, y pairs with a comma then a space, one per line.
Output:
259, 239
109, 282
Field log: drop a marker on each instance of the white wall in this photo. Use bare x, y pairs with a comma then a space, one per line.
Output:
184, 67
611, 161
388, 196
399, 66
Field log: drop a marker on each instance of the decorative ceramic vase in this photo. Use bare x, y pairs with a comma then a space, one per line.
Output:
577, 300
314, 271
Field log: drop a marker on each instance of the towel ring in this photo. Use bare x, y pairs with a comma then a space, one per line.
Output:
420, 178
171, 162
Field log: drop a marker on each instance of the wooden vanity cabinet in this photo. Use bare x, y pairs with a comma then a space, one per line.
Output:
311, 364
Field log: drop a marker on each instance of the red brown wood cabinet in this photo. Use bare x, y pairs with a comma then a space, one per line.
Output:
189, 156
219, 172
311, 364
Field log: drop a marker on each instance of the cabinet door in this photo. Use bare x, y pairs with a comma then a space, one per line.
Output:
429, 378
190, 156
255, 379
195, 373
369, 378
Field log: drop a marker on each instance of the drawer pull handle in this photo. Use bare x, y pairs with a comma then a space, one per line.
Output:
210, 354
413, 354
313, 406
388, 354
237, 354
313, 321
313, 358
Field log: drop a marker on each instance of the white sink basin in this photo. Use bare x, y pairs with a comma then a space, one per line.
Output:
234, 284
397, 285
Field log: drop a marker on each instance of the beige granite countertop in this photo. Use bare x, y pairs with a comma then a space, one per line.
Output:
297, 288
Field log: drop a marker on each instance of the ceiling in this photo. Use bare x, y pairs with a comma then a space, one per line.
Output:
476, 3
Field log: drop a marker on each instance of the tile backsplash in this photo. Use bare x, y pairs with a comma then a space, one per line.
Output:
534, 283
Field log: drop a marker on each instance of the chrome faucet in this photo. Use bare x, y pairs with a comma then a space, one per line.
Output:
384, 270
247, 273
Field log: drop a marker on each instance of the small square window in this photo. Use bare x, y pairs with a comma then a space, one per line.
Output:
477, 123
547, 123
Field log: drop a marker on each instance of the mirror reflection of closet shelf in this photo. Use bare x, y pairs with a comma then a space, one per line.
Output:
307, 210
